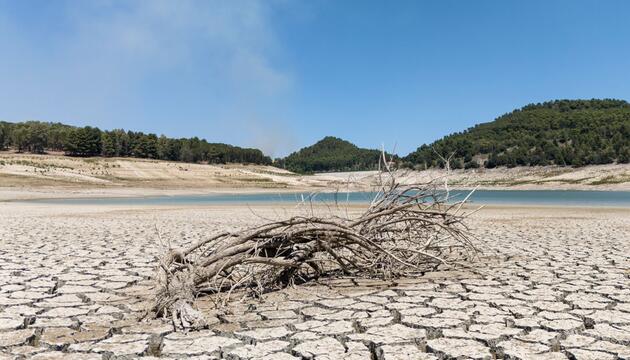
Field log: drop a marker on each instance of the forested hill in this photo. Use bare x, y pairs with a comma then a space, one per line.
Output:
39, 137
561, 132
331, 154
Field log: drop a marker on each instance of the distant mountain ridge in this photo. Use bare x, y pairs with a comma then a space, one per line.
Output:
560, 132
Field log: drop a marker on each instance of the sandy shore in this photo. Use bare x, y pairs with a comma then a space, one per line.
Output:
49, 192
552, 283
27, 176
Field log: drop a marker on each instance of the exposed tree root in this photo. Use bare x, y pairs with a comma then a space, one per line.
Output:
405, 231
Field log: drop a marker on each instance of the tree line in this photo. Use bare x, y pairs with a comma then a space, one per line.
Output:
561, 132
40, 137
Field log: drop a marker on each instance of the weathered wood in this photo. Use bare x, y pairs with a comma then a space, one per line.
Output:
404, 231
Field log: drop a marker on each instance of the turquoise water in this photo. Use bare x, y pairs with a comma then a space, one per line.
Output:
520, 197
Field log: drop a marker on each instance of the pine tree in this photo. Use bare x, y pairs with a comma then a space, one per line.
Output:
109, 144
3, 135
37, 138
19, 138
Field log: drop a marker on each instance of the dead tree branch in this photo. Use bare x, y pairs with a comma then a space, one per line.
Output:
406, 230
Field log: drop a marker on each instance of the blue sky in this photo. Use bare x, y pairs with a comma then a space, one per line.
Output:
281, 74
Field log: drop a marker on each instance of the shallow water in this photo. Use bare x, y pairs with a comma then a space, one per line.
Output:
517, 197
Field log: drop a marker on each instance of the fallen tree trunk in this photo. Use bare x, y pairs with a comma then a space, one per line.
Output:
405, 231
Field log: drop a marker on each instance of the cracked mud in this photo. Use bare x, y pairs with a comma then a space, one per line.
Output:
551, 284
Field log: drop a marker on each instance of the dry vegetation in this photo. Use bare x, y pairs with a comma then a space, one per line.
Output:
407, 230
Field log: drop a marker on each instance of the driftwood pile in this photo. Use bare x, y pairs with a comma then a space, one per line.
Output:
405, 231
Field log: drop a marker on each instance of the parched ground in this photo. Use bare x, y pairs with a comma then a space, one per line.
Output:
62, 176
47, 176
552, 284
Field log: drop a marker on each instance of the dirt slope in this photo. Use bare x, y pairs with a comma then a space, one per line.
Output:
28, 176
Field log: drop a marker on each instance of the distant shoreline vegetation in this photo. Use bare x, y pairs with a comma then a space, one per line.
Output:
560, 132
331, 154
39, 137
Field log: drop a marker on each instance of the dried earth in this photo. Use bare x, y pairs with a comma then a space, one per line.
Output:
552, 284
24, 176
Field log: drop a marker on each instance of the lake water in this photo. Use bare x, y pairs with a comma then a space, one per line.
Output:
516, 197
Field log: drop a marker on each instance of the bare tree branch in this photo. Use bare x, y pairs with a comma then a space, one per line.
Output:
405, 230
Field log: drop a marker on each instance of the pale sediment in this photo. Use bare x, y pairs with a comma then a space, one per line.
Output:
552, 284
30, 176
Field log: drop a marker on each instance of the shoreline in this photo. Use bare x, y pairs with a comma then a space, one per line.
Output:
473, 206
29, 176
13, 194
506, 212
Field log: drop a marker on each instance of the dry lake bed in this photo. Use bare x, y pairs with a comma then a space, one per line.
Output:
552, 283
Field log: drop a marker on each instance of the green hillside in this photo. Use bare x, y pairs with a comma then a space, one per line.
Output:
331, 154
561, 132
40, 137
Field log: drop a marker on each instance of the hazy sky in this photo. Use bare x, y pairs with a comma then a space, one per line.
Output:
282, 74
